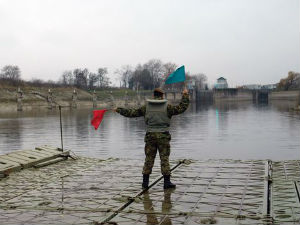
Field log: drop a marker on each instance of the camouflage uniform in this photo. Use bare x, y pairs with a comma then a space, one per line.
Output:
157, 140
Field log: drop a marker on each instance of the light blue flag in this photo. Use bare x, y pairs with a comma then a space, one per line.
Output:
177, 76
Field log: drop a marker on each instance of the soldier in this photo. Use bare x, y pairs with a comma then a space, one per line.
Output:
157, 113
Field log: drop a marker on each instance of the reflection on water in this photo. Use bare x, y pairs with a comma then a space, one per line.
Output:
226, 130
150, 209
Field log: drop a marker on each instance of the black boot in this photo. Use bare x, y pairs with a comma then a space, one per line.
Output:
145, 183
167, 183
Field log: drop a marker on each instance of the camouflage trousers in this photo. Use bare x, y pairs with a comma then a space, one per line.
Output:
157, 141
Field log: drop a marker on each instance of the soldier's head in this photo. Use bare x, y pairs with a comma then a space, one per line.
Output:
158, 93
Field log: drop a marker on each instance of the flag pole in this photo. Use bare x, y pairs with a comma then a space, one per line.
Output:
61, 136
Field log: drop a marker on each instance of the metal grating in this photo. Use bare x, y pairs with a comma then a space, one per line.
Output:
87, 191
221, 192
285, 199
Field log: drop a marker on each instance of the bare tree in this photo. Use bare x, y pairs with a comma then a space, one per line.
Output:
169, 68
151, 74
156, 70
93, 78
67, 78
200, 80
11, 73
290, 82
81, 77
103, 79
36, 82
125, 73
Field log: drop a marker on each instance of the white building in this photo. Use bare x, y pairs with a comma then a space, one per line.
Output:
221, 83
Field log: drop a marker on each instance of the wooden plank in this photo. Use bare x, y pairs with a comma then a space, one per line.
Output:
19, 156
7, 166
12, 159
49, 162
23, 162
36, 152
31, 156
41, 152
28, 158
47, 149
4, 162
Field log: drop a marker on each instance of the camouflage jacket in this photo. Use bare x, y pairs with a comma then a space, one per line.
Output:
172, 110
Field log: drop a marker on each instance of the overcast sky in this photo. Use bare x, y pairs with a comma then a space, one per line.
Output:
246, 41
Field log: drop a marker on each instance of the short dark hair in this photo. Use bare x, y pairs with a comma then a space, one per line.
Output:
158, 94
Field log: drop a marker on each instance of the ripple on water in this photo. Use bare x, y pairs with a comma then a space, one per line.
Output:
240, 131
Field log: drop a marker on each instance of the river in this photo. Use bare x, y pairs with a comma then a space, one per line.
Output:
243, 130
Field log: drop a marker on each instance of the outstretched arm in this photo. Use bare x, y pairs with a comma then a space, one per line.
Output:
132, 112
183, 105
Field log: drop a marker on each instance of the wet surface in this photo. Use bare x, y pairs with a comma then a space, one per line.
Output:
229, 130
285, 198
217, 192
90, 190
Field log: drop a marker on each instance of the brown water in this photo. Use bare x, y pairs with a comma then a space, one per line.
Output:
228, 130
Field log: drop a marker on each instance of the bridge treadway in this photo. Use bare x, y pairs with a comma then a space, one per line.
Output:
91, 191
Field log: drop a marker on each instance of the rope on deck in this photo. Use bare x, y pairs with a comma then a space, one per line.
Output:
131, 200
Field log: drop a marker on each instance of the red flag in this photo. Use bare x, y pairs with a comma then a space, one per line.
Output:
98, 116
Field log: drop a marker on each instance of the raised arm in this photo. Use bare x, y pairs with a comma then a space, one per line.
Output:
132, 112
183, 105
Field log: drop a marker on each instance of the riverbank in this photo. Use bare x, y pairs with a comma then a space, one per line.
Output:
44, 97
33, 98
285, 95
8, 107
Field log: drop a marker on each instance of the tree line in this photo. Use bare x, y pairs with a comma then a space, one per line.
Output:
152, 74
145, 76
82, 78
291, 82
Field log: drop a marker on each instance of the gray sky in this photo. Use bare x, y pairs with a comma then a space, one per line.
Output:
246, 41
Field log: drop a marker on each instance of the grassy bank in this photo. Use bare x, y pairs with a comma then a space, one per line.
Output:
8, 93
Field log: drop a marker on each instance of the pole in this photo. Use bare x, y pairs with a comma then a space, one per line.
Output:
61, 136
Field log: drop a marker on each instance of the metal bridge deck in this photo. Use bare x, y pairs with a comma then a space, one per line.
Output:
91, 191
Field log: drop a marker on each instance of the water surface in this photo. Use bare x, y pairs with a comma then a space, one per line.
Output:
228, 130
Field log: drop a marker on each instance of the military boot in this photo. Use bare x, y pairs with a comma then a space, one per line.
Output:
145, 183
167, 183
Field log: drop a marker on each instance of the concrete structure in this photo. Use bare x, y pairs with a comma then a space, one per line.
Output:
94, 99
269, 86
221, 83
205, 96
284, 95
74, 99
174, 96
238, 94
19, 99
259, 87
50, 99
37, 157
232, 94
252, 86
